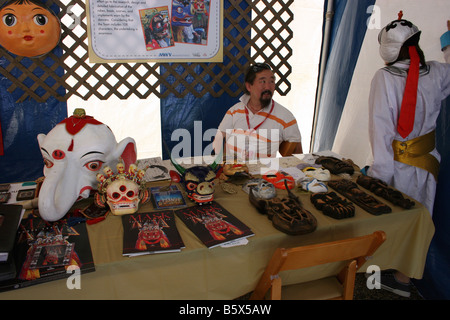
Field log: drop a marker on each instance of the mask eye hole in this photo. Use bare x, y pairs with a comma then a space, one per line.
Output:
94, 165
191, 185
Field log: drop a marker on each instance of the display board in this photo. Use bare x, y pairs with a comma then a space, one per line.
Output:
155, 30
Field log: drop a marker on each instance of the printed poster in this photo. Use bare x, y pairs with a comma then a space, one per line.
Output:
155, 30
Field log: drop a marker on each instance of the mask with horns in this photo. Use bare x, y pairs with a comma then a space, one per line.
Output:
198, 180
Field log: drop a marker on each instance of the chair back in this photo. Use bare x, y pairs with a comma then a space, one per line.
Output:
359, 248
354, 250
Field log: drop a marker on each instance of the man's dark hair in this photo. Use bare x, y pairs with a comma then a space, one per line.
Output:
252, 71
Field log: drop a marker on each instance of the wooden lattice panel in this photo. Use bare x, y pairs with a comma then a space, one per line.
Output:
254, 31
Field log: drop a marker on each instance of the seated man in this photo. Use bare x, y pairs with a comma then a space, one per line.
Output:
257, 126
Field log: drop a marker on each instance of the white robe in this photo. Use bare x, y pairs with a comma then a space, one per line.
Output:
385, 99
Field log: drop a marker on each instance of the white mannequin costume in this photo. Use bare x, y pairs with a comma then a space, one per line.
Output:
388, 86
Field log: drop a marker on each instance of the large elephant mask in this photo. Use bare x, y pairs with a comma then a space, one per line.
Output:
74, 151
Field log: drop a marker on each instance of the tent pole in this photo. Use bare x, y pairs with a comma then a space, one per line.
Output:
324, 55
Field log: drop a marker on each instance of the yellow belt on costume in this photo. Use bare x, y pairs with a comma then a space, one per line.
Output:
416, 152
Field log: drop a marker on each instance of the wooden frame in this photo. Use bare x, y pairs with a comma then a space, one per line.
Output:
354, 250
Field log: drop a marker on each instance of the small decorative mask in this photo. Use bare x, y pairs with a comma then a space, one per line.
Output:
233, 170
313, 185
264, 190
198, 180
287, 214
199, 183
317, 173
277, 178
122, 191
29, 28
335, 165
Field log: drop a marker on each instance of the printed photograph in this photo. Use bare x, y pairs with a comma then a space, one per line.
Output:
156, 26
190, 21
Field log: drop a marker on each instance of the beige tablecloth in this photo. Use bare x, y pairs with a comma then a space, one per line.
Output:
226, 273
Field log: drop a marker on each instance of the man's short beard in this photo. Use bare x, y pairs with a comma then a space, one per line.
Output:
265, 102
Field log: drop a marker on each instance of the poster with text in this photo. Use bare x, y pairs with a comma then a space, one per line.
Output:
155, 30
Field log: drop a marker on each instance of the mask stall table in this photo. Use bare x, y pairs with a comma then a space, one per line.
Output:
227, 273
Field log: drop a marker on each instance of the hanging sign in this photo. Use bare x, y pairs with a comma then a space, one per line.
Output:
155, 30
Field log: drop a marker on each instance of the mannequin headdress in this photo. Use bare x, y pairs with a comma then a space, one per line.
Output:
392, 37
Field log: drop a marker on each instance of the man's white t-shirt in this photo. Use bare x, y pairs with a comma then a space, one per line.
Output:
250, 136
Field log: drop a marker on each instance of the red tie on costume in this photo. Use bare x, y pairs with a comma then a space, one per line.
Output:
408, 108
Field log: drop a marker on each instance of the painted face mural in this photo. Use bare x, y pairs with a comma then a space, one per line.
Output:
28, 28
74, 152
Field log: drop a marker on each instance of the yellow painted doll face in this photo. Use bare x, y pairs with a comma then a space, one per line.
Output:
28, 30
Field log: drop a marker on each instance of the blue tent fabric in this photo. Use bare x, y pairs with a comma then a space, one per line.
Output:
196, 117
190, 118
347, 34
21, 122
435, 283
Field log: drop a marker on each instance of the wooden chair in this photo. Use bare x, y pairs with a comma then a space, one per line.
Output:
353, 251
